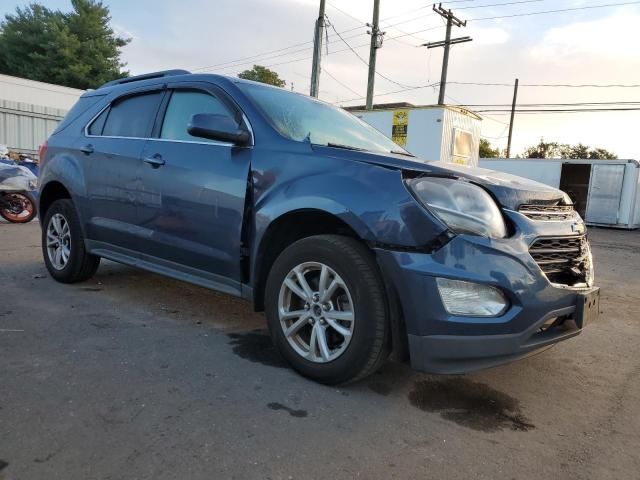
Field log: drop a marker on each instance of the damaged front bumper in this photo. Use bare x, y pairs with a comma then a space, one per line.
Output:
540, 314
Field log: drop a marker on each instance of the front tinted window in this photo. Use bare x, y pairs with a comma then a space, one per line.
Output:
132, 116
299, 117
182, 106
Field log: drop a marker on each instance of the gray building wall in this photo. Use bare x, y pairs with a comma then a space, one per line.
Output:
30, 111
24, 127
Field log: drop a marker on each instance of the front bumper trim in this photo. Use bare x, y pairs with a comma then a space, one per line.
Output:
456, 354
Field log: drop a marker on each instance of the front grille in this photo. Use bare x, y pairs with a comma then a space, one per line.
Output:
564, 260
547, 212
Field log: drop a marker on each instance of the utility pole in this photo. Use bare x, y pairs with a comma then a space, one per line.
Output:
376, 43
452, 21
317, 51
513, 114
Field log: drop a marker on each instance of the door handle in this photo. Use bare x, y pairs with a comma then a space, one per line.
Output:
155, 161
87, 149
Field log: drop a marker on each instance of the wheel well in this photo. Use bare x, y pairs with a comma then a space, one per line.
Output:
301, 224
286, 230
52, 192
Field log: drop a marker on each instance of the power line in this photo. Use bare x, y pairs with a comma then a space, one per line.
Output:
466, 8
567, 110
346, 13
551, 85
388, 93
586, 7
527, 105
364, 61
499, 4
228, 64
339, 82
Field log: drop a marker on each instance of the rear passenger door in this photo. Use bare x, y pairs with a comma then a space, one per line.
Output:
112, 150
193, 189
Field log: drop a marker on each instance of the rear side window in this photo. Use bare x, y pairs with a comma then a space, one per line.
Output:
182, 106
132, 116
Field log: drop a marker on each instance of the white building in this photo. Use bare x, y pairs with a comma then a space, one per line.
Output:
604, 192
435, 133
30, 111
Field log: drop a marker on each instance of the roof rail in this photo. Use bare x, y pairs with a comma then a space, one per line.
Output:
146, 76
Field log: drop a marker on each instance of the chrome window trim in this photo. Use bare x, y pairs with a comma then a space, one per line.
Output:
213, 142
225, 144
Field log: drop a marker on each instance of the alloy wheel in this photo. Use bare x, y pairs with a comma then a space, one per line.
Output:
58, 241
316, 312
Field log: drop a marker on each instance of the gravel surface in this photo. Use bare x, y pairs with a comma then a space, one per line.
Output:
135, 376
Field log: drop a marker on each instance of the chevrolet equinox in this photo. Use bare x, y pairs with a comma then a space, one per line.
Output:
353, 248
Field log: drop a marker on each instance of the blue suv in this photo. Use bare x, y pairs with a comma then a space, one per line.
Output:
353, 247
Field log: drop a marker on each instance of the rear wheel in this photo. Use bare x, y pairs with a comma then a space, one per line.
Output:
326, 308
63, 245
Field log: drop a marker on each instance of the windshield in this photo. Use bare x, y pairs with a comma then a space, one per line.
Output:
303, 118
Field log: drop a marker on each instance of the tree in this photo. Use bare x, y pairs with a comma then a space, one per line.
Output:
543, 150
487, 151
602, 154
262, 74
77, 49
564, 150
584, 151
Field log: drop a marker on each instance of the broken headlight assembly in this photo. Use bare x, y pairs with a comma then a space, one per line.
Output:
461, 205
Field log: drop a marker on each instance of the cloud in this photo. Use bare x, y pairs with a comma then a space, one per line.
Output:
488, 35
615, 37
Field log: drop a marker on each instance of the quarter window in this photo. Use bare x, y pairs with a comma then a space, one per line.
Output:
182, 106
132, 116
97, 125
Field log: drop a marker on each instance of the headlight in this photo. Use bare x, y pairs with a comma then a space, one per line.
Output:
33, 185
462, 206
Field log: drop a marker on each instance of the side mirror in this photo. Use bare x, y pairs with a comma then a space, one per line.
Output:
218, 127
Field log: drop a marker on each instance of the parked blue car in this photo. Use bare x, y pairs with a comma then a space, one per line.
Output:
353, 247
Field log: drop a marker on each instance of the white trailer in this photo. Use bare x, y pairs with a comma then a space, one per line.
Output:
605, 192
30, 111
435, 133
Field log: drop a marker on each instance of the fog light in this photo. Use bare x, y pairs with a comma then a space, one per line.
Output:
471, 299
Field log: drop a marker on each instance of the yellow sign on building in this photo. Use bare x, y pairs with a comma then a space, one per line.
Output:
400, 127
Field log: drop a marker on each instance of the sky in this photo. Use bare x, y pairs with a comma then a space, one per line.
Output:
582, 46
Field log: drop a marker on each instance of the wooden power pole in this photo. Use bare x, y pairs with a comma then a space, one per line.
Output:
513, 114
452, 21
376, 43
317, 51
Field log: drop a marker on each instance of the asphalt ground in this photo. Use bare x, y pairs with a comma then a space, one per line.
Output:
134, 376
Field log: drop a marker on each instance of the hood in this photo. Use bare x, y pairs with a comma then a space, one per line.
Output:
509, 190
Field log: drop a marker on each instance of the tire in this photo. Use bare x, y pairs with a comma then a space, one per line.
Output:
345, 357
29, 208
79, 265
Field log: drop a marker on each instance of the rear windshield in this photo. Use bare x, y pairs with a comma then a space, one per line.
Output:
82, 105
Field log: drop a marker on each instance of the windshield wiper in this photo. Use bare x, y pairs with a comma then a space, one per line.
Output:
402, 152
345, 147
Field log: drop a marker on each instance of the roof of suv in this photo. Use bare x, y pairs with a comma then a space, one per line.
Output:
150, 78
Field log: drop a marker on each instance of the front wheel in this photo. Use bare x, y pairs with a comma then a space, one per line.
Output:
326, 308
18, 207
63, 246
